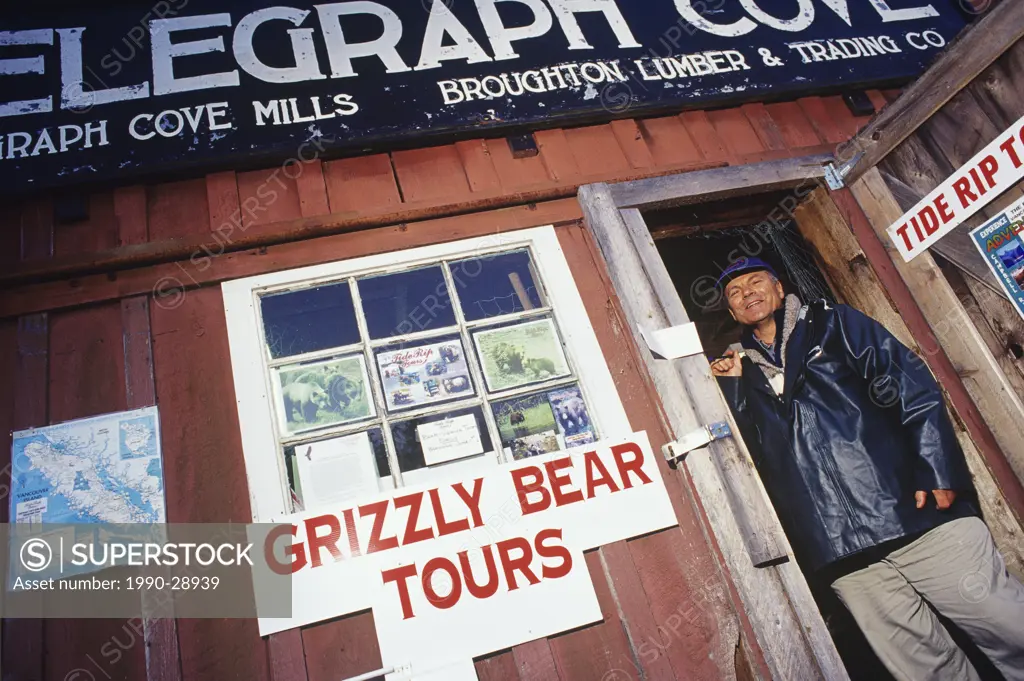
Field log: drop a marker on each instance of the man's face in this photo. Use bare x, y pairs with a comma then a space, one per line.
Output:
753, 297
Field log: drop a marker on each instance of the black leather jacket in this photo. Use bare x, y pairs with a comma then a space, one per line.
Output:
860, 426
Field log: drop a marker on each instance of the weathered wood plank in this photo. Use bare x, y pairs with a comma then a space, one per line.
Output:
632, 143
984, 380
87, 366
476, 161
287, 659
160, 636
778, 630
764, 126
178, 210
592, 652
999, 89
196, 397
341, 648
716, 184
430, 173
168, 280
961, 62
676, 569
668, 141
312, 187
596, 150
130, 215
497, 667
997, 320
98, 232
534, 661
23, 638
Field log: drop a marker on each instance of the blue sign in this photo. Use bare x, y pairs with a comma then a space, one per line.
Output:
999, 241
101, 91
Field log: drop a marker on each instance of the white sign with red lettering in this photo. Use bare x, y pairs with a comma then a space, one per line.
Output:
995, 169
458, 570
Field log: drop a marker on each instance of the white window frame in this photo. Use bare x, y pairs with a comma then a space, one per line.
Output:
264, 463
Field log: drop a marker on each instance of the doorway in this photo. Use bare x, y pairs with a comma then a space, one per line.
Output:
696, 244
665, 241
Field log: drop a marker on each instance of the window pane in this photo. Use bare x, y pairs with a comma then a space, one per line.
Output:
520, 353
423, 438
297, 322
406, 302
492, 286
336, 469
415, 375
543, 422
323, 393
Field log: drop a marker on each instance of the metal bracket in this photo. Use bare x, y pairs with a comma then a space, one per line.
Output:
833, 177
695, 440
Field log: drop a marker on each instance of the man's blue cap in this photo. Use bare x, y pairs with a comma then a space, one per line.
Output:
743, 266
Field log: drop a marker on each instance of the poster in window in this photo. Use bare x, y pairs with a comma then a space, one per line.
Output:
1001, 242
424, 375
323, 394
518, 355
336, 470
449, 439
527, 426
570, 412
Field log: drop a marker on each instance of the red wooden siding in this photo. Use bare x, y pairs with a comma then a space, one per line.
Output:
669, 610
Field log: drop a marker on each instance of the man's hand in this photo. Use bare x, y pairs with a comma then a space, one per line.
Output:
943, 498
730, 365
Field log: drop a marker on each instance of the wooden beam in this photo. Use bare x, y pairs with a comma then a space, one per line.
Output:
961, 62
723, 473
170, 282
230, 236
719, 183
954, 331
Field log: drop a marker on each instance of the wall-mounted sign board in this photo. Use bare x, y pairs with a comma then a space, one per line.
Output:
974, 185
999, 242
106, 92
468, 566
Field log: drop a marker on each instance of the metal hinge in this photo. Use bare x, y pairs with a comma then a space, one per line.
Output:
835, 177
695, 440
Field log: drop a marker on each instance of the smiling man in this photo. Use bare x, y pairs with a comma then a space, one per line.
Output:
850, 434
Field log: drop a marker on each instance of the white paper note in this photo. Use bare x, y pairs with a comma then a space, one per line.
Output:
31, 511
336, 470
674, 342
450, 439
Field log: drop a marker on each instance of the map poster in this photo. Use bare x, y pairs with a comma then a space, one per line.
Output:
103, 469
415, 377
1001, 244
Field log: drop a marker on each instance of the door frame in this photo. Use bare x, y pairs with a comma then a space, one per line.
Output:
774, 594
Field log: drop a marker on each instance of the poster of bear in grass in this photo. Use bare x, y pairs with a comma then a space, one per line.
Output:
518, 355
322, 394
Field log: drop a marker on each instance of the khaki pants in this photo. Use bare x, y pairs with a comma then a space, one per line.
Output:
957, 570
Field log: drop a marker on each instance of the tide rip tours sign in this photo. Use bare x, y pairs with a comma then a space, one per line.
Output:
992, 171
106, 90
456, 571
